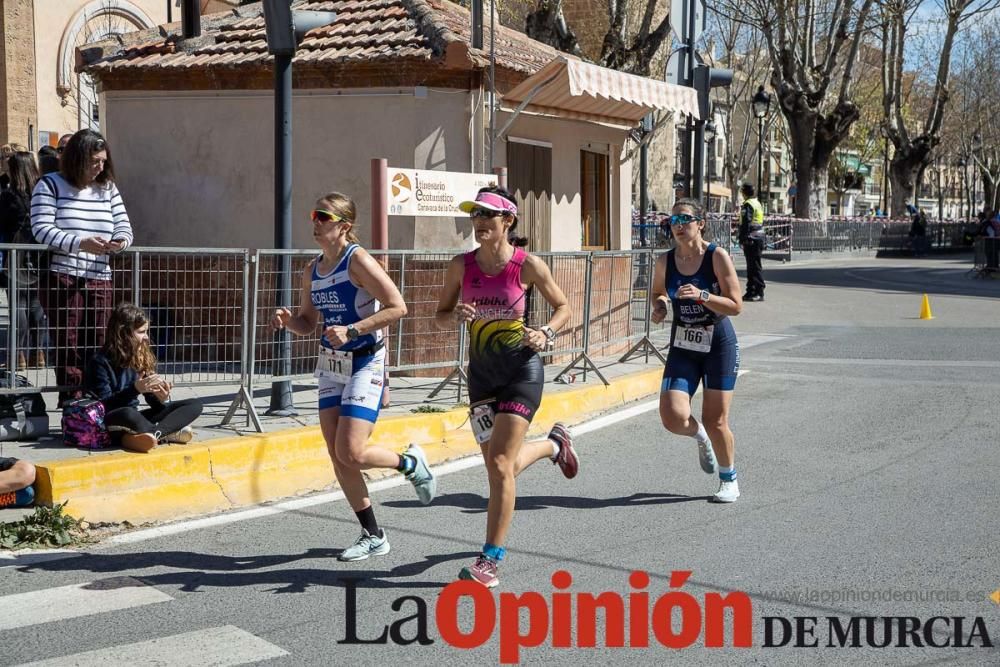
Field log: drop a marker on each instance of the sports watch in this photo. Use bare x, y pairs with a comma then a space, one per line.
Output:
704, 296
352, 333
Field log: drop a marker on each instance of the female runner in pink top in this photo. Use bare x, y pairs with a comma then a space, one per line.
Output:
487, 289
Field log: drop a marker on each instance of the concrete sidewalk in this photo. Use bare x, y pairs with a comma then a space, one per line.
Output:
233, 466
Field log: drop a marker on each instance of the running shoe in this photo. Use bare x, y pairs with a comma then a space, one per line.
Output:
567, 459
483, 570
728, 492
706, 457
421, 477
365, 546
21, 498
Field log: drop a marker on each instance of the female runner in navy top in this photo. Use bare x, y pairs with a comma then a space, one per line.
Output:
698, 281
351, 296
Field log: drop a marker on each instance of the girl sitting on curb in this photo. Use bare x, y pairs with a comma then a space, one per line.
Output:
123, 369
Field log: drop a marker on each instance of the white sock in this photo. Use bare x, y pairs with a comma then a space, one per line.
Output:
702, 435
555, 449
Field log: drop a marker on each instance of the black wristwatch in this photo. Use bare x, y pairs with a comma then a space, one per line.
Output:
352, 333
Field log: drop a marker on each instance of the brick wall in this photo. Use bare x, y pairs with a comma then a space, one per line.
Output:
18, 106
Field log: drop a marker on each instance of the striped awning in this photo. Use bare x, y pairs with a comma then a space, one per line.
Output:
575, 89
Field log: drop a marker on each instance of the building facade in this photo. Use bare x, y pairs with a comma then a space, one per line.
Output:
393, 79
44, 96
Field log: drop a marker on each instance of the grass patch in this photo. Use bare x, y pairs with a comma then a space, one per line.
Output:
428, 408
47, 527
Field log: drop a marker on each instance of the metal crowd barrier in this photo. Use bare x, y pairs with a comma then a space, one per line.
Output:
210, 309
986, 257
786, 235
607, 293
195, 300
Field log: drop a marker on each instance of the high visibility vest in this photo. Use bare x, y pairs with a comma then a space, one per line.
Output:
758, 211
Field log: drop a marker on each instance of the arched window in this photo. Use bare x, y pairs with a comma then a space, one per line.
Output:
97, 20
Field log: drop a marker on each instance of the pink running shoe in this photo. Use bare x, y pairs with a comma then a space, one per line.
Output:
567, 460
483, 570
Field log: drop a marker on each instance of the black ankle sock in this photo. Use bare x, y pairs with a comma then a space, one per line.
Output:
366, 518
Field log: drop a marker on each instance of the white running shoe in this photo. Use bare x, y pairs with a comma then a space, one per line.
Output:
706, 457
728, 492
421, 476
365, 546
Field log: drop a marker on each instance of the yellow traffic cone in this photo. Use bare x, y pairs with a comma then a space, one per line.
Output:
925, 309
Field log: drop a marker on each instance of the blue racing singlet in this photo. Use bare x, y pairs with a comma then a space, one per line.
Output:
689, 311
341, 302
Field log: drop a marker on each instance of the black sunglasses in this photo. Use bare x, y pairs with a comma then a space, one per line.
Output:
479, 212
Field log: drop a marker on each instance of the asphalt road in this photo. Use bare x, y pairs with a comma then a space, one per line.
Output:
867, 456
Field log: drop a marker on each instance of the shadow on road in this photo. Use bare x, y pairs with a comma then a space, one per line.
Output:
199, 571
471, 503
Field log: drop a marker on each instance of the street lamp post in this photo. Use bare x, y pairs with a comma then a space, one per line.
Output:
761, 105
709, 138
977, 143
965, 193
284, 30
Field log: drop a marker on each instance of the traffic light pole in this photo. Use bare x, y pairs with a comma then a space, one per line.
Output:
281, 391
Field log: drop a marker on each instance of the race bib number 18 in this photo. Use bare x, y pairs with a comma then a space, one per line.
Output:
694, 338
481, 418
334, 365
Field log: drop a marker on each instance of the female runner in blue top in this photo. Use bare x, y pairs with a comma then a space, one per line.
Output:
354, 298
697, 279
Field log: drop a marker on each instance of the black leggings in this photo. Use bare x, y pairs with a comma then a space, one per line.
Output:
174, 416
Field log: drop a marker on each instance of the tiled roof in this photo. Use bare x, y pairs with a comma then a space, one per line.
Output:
366, 31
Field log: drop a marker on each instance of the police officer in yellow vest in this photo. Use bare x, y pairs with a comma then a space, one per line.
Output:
752, 240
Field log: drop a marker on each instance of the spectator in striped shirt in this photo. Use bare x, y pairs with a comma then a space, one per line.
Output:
79, 214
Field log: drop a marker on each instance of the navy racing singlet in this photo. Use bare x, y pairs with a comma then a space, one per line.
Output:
689, 311
341, 302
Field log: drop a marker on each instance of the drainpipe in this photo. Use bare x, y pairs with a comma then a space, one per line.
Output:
191, 18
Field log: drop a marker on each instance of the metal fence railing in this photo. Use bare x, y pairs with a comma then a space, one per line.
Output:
786, 235
986, 257
210, 309
195, 299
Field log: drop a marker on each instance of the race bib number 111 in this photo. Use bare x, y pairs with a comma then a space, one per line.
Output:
334, 365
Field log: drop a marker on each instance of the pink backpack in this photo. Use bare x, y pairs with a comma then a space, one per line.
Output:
83, 424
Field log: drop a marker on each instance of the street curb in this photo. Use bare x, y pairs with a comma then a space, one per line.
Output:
188, 480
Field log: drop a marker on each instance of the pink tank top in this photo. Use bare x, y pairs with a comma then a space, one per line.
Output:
498, 328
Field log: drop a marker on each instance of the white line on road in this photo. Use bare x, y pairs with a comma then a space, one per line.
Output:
392, 482
220, 647
57, 604
32, 556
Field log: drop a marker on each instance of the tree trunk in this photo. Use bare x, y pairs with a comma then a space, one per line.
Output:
802, 132
547, 24
818, 189
904, 172
814, 137
991, 193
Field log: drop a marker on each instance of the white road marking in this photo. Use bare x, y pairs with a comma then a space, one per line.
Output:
219, 647
57, 604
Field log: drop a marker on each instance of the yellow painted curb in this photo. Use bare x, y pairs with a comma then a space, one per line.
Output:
187, 480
